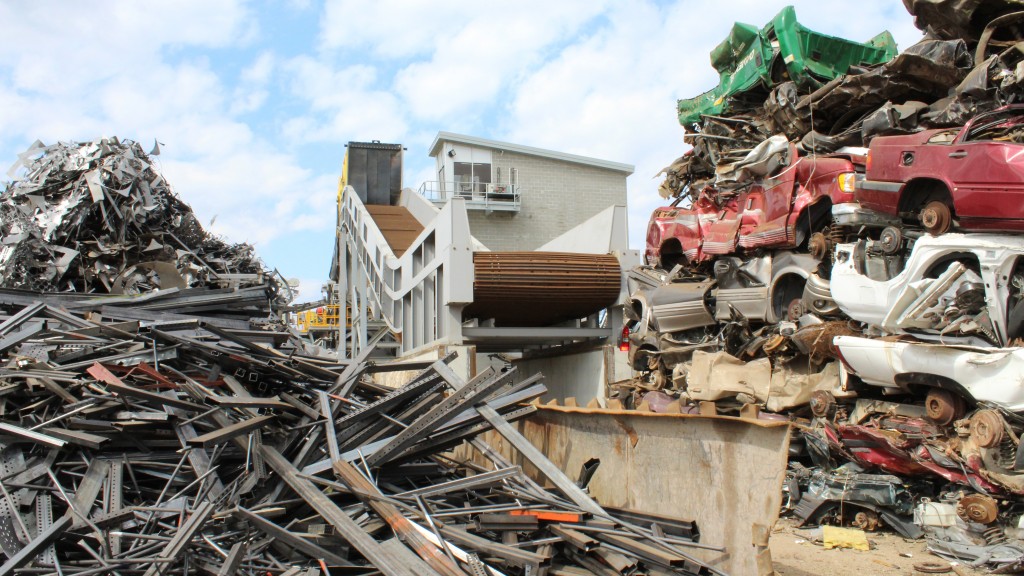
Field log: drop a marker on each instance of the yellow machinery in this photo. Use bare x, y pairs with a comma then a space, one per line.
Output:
320, 318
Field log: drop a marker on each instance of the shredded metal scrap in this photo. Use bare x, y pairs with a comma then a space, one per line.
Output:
98, 217
910, 431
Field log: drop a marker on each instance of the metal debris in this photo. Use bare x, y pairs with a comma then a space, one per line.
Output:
841, 248
99, 218
166, 446
158, 417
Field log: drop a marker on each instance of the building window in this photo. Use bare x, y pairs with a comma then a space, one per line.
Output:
471, 177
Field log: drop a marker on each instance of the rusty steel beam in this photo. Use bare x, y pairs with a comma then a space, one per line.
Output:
330, 512
393, 516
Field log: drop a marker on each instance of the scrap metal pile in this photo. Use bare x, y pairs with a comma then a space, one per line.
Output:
161, 420
180, 446
97, 217
843, 249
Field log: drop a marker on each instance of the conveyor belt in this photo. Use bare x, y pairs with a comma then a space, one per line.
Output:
519, 300
541, 288
520, 288
398, 226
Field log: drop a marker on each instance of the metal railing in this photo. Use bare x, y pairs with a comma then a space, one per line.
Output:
419, 295
478, 195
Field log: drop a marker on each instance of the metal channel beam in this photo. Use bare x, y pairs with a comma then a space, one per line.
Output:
297, 542
450, 407
234, 559
222, 435
181, 538
346, 527
399, 523
535, 457
39, 544
89, 489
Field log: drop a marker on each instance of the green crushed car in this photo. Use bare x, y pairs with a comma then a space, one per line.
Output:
751, 61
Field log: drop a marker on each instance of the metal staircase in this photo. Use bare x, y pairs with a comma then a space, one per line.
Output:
422, 287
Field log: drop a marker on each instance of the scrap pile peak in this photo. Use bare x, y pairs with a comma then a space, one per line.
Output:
98, 217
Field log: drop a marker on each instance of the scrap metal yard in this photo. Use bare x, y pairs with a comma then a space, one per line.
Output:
814, 365
841, 248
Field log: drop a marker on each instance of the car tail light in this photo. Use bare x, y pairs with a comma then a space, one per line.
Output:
624, 340
867, 161
847, 181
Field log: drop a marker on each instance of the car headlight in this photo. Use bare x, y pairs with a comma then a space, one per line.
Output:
847, 181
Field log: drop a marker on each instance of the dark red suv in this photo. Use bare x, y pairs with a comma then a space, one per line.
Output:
971, 177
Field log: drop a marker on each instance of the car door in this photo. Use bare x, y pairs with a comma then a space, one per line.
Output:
722, 231
986, 168
767, 212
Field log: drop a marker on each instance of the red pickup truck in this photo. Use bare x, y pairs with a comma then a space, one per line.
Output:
776, 212
971, 177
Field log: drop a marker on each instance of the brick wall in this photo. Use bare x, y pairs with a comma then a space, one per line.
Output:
556, 196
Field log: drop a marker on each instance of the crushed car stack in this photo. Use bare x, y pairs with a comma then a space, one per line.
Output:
843, 248
157, 417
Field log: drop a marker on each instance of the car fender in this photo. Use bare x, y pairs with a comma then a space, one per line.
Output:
984, 374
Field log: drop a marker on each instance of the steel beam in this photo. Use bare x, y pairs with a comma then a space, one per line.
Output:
345, 526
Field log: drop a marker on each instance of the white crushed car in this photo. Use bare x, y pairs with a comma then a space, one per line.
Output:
973, 373
957, 296
963, 288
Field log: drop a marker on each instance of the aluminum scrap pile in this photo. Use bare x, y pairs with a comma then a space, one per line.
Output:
98, 217
177, 445
844, 249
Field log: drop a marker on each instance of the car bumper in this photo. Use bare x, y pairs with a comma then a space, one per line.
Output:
852, 214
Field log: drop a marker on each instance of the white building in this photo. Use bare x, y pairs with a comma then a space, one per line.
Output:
520, 197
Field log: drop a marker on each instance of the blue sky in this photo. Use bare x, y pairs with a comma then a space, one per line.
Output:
253, 101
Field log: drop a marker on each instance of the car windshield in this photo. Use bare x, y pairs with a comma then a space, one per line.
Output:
1002, 126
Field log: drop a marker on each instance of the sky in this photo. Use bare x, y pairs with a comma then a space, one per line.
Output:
253, 101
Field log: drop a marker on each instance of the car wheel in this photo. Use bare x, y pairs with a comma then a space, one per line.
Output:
891, 240
943, 406
795, 309
987, 428
823, 404
936, 217
819, 246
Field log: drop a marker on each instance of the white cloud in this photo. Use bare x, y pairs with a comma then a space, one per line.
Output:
258, 73
251, 92
233, 107
473, 63
343, 104
454, 58
56, 47
390, 28
125, 75
309, 290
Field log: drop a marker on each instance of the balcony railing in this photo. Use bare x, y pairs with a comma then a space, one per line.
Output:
478, 195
